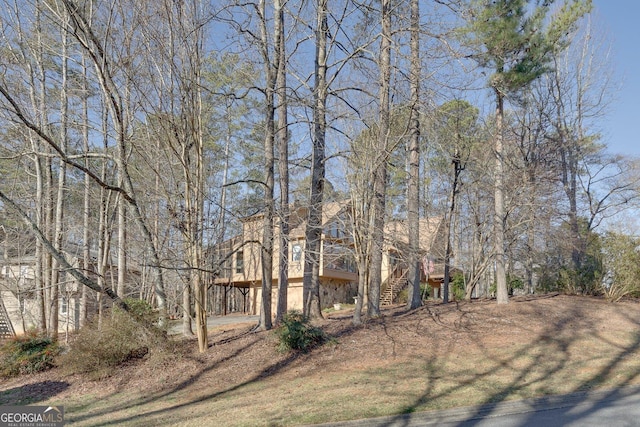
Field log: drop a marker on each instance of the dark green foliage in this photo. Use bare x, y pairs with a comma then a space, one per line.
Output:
514, 38
458, 287
27, 354
621, 261
425, 292
573, 266
99, 348
296, 333
515, 282
141, 310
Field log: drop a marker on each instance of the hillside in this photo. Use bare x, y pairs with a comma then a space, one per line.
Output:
435, 357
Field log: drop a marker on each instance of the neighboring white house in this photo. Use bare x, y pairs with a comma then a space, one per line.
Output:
19, 297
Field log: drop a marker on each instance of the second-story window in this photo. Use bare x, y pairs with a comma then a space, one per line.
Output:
296, 252
64, 305
239, 262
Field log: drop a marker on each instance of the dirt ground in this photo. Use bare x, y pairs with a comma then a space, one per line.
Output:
238, 354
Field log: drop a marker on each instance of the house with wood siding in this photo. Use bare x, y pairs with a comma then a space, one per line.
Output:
238, 266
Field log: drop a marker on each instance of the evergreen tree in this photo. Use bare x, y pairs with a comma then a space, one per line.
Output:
513, 40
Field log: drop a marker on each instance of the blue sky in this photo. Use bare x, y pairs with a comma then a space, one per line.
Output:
619, 18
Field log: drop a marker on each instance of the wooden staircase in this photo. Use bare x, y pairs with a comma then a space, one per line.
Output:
394, 285
6, 328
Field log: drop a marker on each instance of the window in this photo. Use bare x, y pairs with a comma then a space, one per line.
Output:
23, 306
239, 262
64, 305
296, 252
338, 257
394, 260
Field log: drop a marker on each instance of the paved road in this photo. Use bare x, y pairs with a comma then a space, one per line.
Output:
619, 407
175, 327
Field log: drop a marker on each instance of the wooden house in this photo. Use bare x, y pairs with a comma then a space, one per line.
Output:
239, 266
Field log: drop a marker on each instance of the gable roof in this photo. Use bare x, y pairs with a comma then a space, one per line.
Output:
431, 233
298, 215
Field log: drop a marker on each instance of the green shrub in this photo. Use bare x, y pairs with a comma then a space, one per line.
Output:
27, 354
458, 287
141, 310
403, 296
296, 333
100, 347
515, 282
425, 293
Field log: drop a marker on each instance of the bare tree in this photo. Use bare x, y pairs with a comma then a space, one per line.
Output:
282, 139
413, 191
380, 171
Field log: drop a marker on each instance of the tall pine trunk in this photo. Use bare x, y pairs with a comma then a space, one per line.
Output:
502, 293
282, 139
413, 191
266, 252
313, 233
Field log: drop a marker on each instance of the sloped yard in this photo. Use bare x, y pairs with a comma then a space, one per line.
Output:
438, 356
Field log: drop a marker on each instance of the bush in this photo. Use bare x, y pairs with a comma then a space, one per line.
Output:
425, 293
296, 333
515, 282
100, 347
27, 354
142, 311
458, 287
403, 296
621, 261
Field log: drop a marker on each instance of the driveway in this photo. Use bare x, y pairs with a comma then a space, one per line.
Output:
175, 326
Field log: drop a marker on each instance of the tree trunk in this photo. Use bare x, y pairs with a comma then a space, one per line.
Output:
266, 252
380, 172
449, 219
61, 196
313, 233
502, 293
115, 102
283, 160
40, 252
49, 232
413, 191
86, 213
531, 232
187, 330
122, 248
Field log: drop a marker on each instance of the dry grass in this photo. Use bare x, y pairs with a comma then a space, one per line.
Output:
433, 358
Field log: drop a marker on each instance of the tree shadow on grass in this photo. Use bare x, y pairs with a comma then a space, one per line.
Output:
531, 369
264, 373
567, 408
156, 396
29, 394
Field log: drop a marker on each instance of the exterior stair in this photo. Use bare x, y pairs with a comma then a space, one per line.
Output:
393, 288
6, 328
